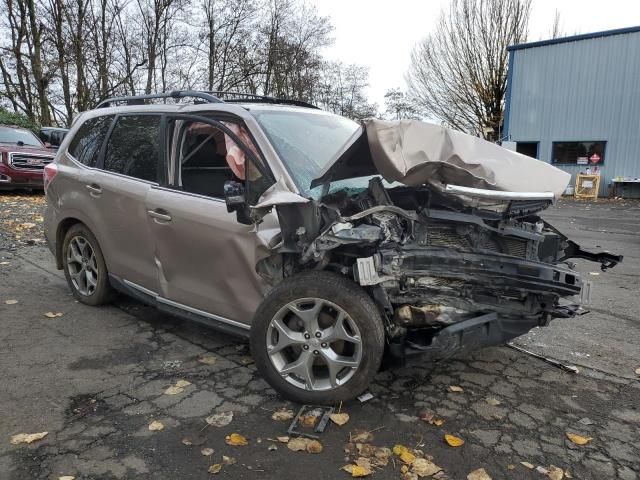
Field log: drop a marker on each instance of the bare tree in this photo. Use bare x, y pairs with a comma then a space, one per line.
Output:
399, 106
341, 90
458, 74
88, 50
556, 27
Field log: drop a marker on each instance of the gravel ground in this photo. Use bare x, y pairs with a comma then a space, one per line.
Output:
95, 379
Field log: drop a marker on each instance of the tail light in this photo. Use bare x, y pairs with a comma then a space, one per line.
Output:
50, 171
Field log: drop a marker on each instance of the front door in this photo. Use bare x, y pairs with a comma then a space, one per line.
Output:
206, 258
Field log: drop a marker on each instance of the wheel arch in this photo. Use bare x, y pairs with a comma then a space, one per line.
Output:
61, 232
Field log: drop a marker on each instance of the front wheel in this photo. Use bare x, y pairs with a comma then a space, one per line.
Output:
318, 338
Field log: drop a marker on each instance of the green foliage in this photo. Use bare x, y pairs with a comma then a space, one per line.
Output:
14, 118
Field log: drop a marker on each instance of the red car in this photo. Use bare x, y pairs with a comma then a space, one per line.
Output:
22, 158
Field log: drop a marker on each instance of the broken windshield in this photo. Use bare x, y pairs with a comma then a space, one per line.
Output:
306, 140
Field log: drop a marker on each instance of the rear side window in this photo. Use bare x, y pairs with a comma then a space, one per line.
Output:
86, 144
132, 148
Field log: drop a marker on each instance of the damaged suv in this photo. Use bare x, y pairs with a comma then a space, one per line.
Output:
328, 242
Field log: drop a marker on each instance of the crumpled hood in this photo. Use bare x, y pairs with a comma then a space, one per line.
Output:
414, 153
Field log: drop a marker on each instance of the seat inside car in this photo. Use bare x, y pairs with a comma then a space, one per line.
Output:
204, 165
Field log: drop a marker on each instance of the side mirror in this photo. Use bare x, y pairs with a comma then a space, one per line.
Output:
235, 200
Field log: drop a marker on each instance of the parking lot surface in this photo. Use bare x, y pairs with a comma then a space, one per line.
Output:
95, 379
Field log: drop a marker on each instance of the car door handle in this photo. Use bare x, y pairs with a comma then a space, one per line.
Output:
94, 189
159, 215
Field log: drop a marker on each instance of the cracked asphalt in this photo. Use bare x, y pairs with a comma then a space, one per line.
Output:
94, 379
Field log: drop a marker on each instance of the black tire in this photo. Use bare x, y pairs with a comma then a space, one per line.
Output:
103, 292
345, 294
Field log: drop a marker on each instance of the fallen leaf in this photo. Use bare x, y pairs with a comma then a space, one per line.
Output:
283, 439
314, 446
585, 421
297, 444
173, 390
511, 466
187, 441
426, 416
453, 441
595, 274
493, 401
479, 474
228, 460
27, 437
339, 418
455, 388
236, 440
637, 371
207, 452
361, 436
357, 470
578, 439
424, 468
382, 455
11, 302
309, 420
208, 360
156, 426
272, 447
404, 453
182, 383
527, 464
438, 422
215, 468
555, 473
5, 263
52, 315
542, 470
66, 477
282, 415
301, 444
221, 419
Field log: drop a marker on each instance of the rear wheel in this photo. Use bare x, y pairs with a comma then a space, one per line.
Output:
318, 338
84, 266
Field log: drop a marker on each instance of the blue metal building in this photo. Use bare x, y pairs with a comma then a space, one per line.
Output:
575, 102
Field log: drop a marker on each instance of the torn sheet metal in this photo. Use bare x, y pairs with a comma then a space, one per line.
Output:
279, 193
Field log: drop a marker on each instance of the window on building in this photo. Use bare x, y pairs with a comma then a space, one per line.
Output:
132, 148
578, 153
86, 144
528, 148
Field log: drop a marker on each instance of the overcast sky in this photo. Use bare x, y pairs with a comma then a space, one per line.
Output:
381, 33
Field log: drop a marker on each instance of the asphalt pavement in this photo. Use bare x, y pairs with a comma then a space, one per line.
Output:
95, 380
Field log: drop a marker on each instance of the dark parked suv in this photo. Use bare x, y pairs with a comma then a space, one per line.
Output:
328, 242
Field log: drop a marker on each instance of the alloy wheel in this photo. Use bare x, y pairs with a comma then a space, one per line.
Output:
82, 265
314, 344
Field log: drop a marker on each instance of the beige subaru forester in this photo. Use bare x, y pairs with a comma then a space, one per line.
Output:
329, 243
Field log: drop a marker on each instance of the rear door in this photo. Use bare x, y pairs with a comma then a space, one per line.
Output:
131, 163
206, 258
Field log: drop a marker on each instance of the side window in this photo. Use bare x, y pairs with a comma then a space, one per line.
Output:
208, 157
132, 147
86, 144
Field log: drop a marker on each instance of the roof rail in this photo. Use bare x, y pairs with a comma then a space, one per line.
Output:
237, 97
176, 94
208, 97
